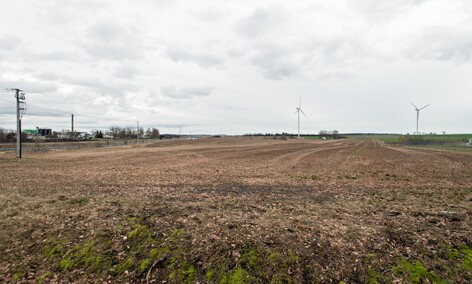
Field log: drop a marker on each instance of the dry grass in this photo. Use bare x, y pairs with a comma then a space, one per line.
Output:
237, 210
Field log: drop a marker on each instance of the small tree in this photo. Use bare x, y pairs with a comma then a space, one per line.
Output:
335, 134
155, 133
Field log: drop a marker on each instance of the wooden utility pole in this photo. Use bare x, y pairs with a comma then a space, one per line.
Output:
20, 106
72, 122
20, 110
18, 124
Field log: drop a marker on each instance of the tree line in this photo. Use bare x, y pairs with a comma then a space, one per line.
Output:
117, 132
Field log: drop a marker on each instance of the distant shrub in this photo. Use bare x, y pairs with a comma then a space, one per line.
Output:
423, 140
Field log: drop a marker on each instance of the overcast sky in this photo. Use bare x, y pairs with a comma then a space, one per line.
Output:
239, 67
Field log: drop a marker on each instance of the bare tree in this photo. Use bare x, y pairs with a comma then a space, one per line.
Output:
155, 133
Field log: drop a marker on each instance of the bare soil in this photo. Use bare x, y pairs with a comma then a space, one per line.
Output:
237, 210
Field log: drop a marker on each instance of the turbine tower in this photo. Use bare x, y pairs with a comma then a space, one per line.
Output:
298, 111
418, 114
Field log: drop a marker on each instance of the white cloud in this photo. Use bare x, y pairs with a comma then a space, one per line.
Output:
29, 86
241, 65
188, 55
113, 40
9, 43
185, 93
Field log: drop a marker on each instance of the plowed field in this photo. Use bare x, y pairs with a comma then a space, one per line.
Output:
237, 210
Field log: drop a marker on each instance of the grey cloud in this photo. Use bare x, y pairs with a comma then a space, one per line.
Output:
293, 56
107, 31
341, 50
99, 85
336, 58
8, 107
262, 22
185, 93
9, 43
126, 72
375, 11
28, 86
57, 55
63, 13
441, 43
336, 75
309, 57
277, 63
113, 41
35, 111
117, 50
210, 14
105, 87
49, 76
277, 70
201, 59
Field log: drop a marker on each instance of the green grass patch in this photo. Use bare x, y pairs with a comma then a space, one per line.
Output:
415, 272
466, 254
83, 256
312, 137
314, 177
452, 147
449, 266
82, 200
127, 265
373, 276
19, 274
53, 248
176, 233
44, 277
237, 276
434, 139
186, 273
256, 264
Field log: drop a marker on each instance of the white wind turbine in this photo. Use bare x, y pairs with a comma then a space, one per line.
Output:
298, 111
418, 114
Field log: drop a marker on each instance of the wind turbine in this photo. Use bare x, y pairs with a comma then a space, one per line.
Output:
298, 111
418, 114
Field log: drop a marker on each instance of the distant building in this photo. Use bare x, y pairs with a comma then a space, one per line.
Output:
30, 133
44, 131
83, 135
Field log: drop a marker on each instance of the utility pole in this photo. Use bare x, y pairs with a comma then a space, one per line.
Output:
18, 124
72, 122
180, 127
20, 108
137, 132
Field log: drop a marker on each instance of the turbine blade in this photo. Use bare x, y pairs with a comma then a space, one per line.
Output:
303, 112
413, 105
425, 107
296, 111
300, 104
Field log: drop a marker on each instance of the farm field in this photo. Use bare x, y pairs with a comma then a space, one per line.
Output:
426, 139
237, 210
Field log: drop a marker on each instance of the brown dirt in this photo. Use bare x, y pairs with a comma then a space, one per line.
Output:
350, 210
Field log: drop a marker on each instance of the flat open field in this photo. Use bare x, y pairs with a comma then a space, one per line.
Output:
237, 210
